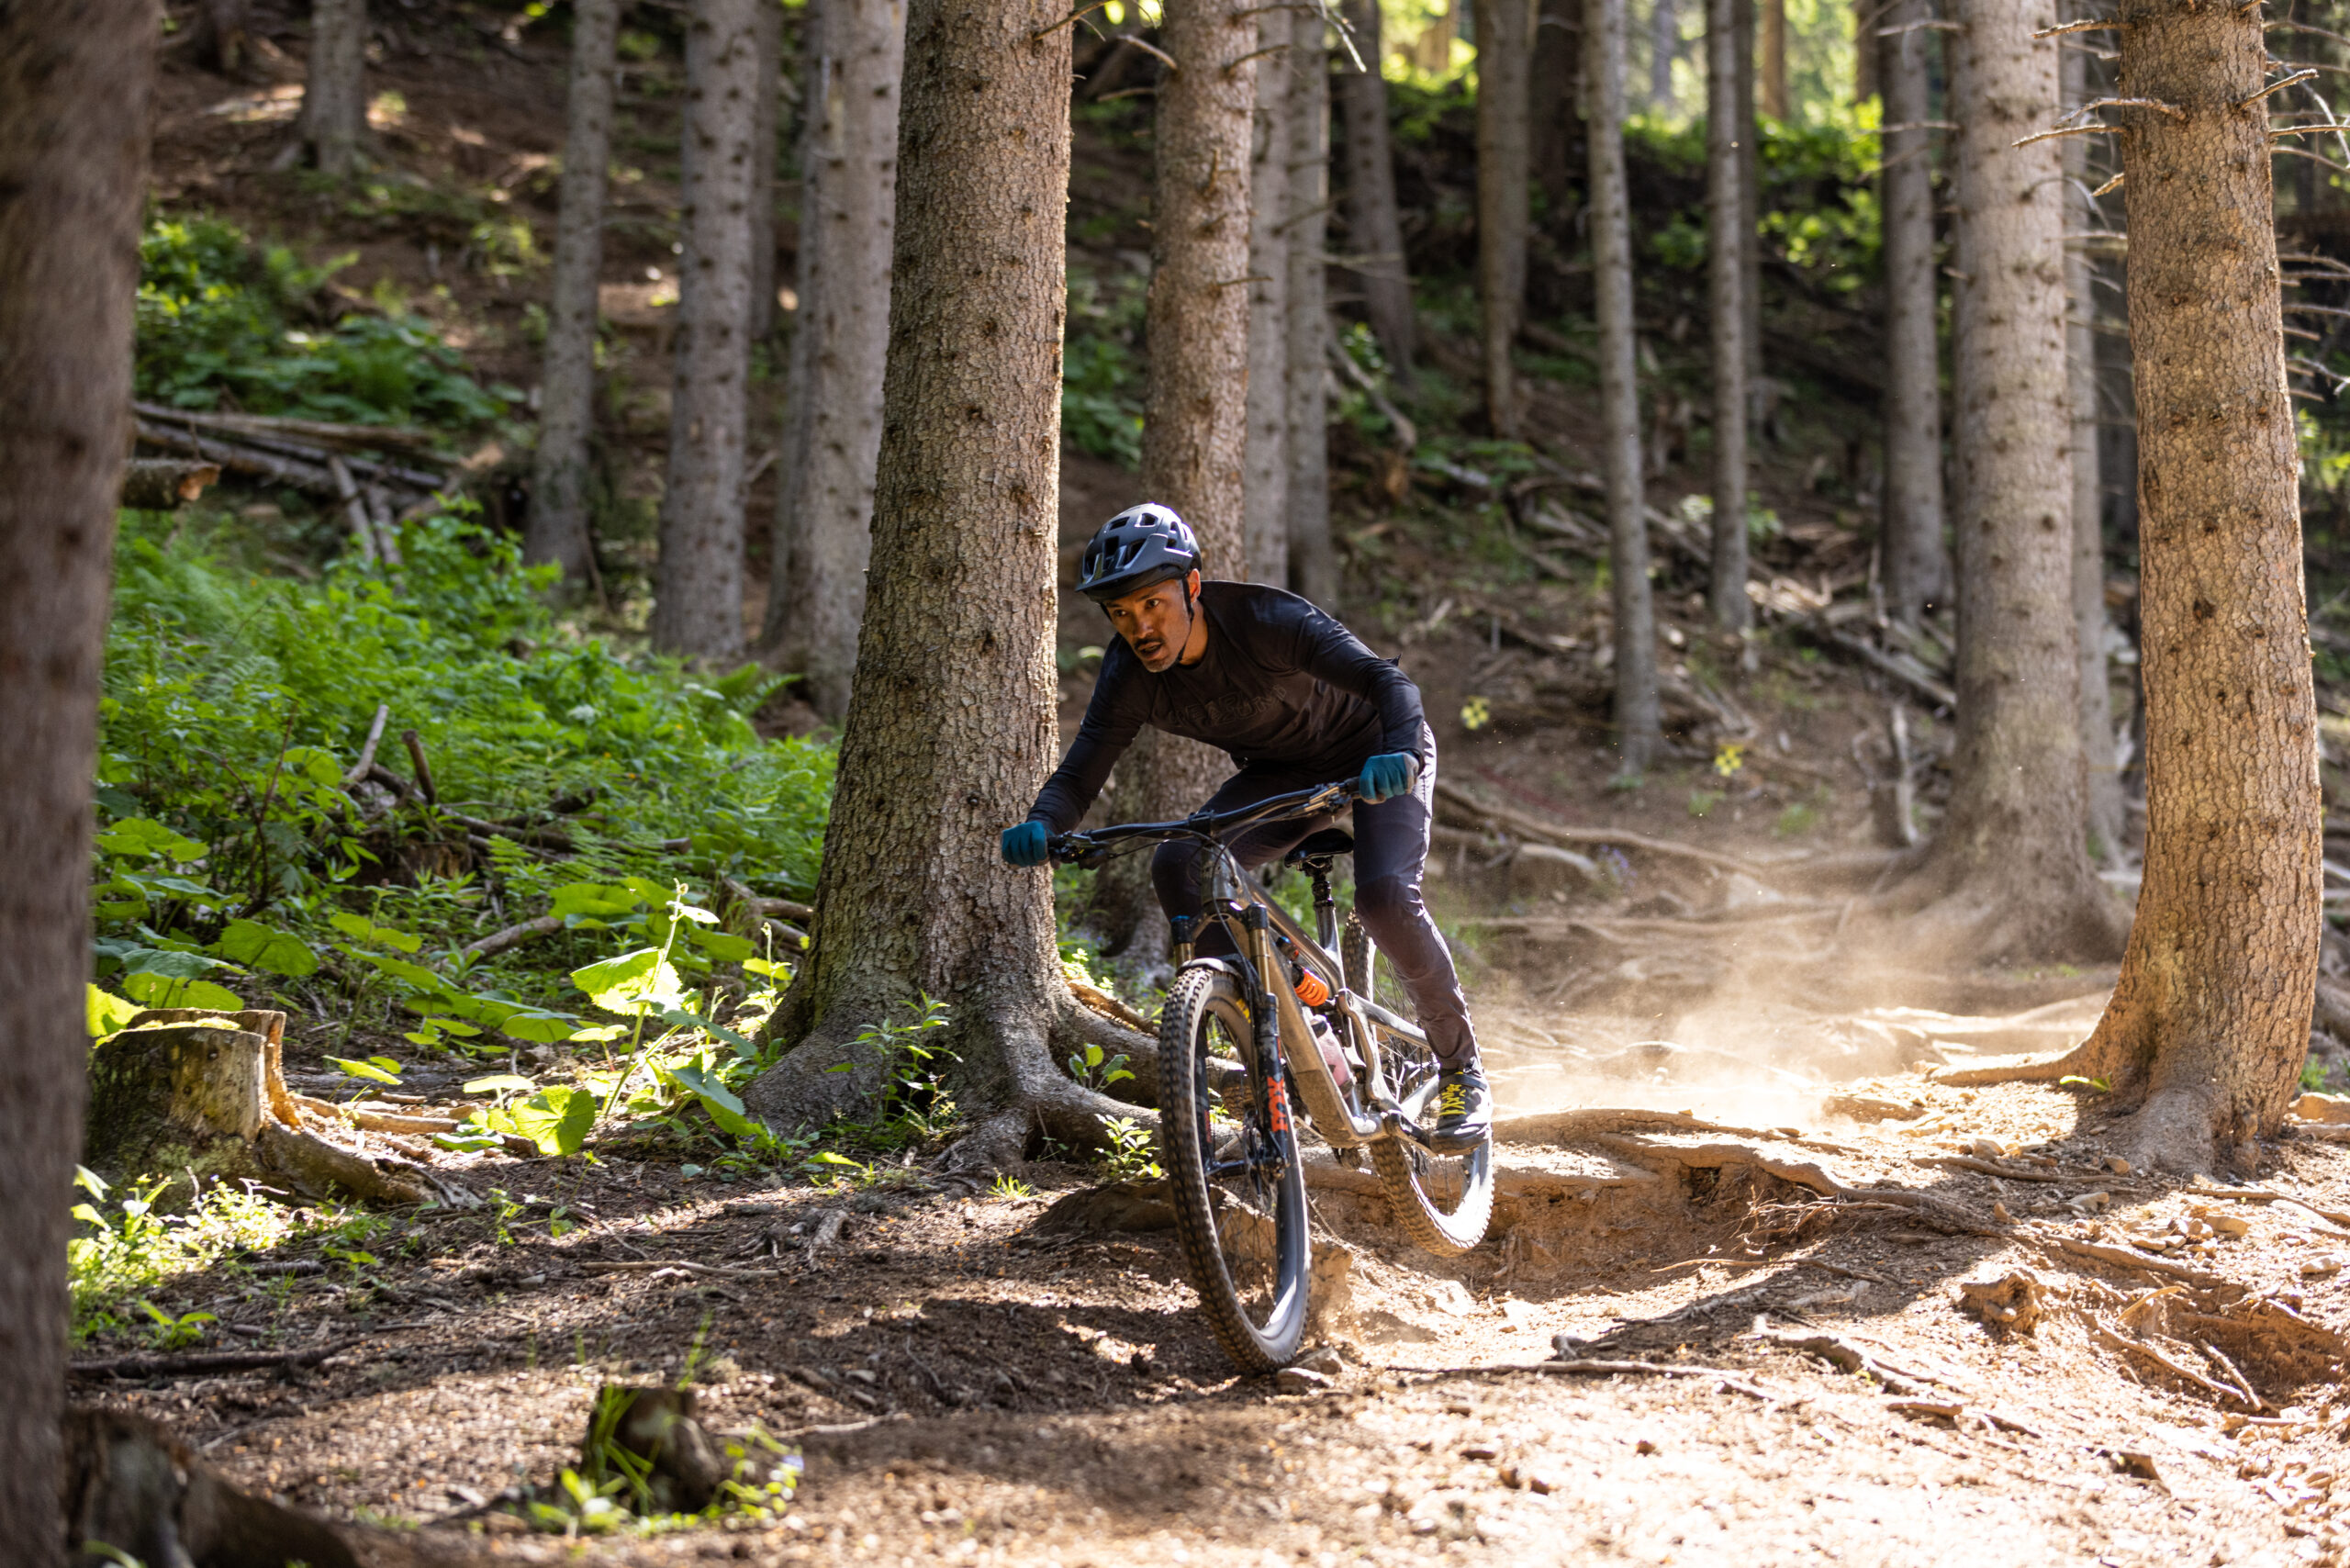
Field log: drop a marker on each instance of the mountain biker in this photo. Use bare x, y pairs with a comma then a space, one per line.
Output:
1296, 700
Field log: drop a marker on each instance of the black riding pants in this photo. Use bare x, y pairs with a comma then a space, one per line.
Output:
1391, 847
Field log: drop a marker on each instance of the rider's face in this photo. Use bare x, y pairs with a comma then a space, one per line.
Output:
1155, 621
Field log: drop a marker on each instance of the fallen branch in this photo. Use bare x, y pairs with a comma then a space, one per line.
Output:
316, 433
1530, 826
1843, 1354
512, 936
163, 484
360, 769
1992, 1168
2123, 1258
656, 1266
423, 769
1729, 1380
144, 1366
2122, 1343
1935, 1211
310, 478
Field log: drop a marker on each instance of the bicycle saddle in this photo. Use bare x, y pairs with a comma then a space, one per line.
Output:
1330, 842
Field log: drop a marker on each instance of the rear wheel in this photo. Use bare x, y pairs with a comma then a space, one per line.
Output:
1237, 1185
1444, 1202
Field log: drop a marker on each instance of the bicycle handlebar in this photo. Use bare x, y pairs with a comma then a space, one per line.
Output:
1088, 850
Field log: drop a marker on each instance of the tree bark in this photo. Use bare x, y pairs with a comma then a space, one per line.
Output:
763, 150
1194, 434
1637, 732
1554, 108
1374, 222
1912, 557
2012, 862
1725, 280
698, 589
2102, 774
2211, 1017
557, 531
1749, 190
1265, 484
951, 726
76, 86
1868, 16
1314, 565
334, 86
823, 522
1664, 47
1502, 177
1774, 58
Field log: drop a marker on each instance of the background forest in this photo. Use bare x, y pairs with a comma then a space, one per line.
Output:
510, 600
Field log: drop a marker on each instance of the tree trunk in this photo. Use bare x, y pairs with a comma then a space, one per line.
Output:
2211, 1017
1265, 486
2102, 774
1374, 222
2012, 862
1664, 47
76, 86
697, 587
1774, 58
1314, 565
1194, 434
334, 86
1637, 732
1750, 195
763, 150
1502, 77
1554, 108
951, 727
223, 41
823, 522
557, 531
1868, 17
1912, 557
1725, 280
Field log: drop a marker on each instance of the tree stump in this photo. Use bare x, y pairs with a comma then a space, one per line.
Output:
186, 1091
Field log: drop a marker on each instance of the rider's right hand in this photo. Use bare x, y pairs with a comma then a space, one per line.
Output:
1026, 845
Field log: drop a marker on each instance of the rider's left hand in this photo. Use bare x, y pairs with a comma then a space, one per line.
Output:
1387, 775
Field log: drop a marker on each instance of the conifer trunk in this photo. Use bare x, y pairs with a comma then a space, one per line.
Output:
763, 150
1774, 58
2011, 863
855, 51
76, 85
1502, 133
1265, 527
951, 726
1912, 557
334, 86
698, 589
1554, 109
1750, 191
1314, 565
1664, 47
1194, 434
1374, 222
557, 531
2209, 1020
1726, 280
1637, 732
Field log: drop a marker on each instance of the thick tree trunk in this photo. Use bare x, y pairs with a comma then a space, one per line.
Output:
951, 728
1502, 80
1265, 483
1194, 434
763, 150
697, 587
334, 86
2211, 1017
1664, 47
2103, 776
1374, 222
823, 522
1725, 281
1554, 108
2011, 860
1774, 58
76, 86
1637, 732
1868, 16
1912, 557
557, 531
1313, 564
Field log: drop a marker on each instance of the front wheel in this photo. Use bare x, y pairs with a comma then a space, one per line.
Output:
1237, 1185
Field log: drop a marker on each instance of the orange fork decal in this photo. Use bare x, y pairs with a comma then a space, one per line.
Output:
1277, 1103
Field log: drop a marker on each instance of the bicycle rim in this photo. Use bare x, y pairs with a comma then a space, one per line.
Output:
1237, 1185
1444, 1202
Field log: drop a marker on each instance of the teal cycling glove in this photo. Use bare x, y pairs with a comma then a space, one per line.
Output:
1026, 845
1387, 775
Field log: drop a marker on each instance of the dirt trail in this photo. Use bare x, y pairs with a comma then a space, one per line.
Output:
970, 1385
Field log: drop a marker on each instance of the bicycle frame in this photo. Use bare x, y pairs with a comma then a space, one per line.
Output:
1282, 1038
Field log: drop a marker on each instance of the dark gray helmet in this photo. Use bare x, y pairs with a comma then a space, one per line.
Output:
1139, 547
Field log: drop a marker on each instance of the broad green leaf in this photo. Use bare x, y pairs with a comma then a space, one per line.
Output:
171, 965
681, 1018
400, 969
452, 1026
633, 983
375, 1069
697, 915
538, 1028
165, 991
499, 1084
138, 837
593, 898
827, 1157
722, 1104
559, 1119
724, 946
175, 887
108, 1013
250, 942
599, 1034
763, 966
359, 928
315, 764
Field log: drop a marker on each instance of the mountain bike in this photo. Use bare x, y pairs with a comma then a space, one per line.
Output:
1287, 1022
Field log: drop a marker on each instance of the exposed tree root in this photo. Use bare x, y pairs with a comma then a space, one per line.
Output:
1939, 1213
